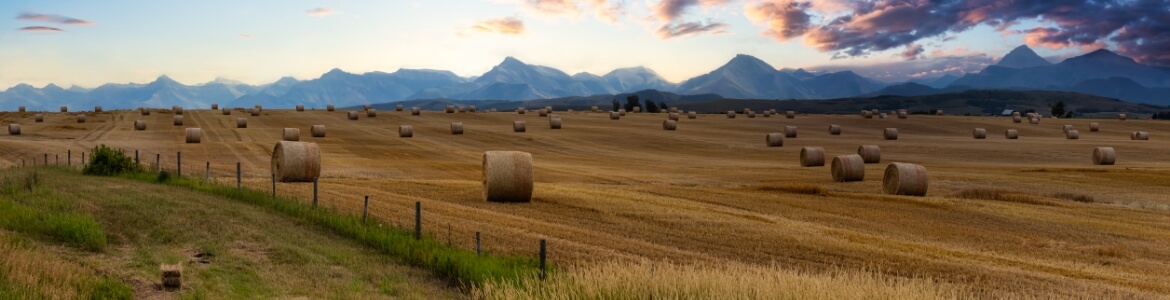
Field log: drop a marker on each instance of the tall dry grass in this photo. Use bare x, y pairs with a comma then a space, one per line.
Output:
27, 272
658, 280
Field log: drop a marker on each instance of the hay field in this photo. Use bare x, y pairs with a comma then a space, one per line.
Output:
712, 193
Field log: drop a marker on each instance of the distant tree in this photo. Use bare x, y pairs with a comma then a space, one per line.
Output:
616, 105
631, 102
662, 105
1057, 109
651, 107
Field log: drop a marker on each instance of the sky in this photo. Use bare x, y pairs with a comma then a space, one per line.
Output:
89, 43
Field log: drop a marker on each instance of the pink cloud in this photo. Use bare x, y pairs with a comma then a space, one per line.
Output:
320, 12
506, 26
59, 19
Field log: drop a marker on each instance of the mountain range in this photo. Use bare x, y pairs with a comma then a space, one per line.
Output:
1101, 72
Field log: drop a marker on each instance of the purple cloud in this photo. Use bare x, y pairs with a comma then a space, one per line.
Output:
59, 19
669, 31
40, 28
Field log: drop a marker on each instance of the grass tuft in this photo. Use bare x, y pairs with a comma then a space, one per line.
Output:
1074, 197
796, 188
1000, 195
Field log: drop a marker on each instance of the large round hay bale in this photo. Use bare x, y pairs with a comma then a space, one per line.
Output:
594, 109
790, 131
449, 109
296, 161
255, 111
20, 109
890, 133
774, 139
669, 125
330, 107
731, 114
692, 115
214, 106
673, 109
39, 117
938, 112
462, 109
291, 134
812, 157
318, 131
241, 123
1140, 136
64, 108
1034, 120
790, 114
1121, 117
1015, 114
300, 107
905, 179
1011, 134
226, 111
867, 114
846, 168
1017, 119
870, 154
835, 129
259, 109
1072, 134
415, 111
81, 118
746, 110
97, 109
548, 109
902, 114
139, 125
751, 114
144, 111
672, 116
542, 112
554, 123
456, 127
405, 131
352, 115
518, 126
1094, 127
637, 109
398, 107
1104, 156
520, 110
178, 121
194, 135
370, 113
767, 114
367, 107
613, 115
13, 129
177, 109
622, 112
507, 176
1066, 127
979, 133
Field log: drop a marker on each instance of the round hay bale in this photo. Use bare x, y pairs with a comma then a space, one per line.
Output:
890, 134
1015, 114
296, 161
39, 118
518, 126
20, 109
613, 115
902, 114
1121, 117
330, 107
669, 125
767, 114
905, 179
622, 112
1017, 119
979, 133
673, 109
414, 111
867, 114
1034, 120
449, 109
731, 114
507, 176
97, 109
554, 123
692, 115
790, 131
790, 114
144, 111
520, 110
471, 108
594, 109
226, 111
1011, 134
194, 135
64, 108
882, 115
1104, 156
456, 127
870, 154
398, 107
352, 115
139, 125
874, 111
300, 107
241, 123
1140, 136
405, 131
177, 109
672, 116
812, 157
13, 129
255, 112
318, 131
774, 139
548, 109
1066, 128
462, 109
751, 114
637, 109
178, 121
1094, 127
746, 110
367, 107
1072, 134
542, 112
492, 110
259, 109
214, 106
81, 118
938, 112
292, 134
846, 168
370, 113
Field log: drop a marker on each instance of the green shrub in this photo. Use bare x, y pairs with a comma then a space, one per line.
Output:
106, 161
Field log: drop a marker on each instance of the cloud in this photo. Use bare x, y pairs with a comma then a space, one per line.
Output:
244, 35
59, 19
1137, 27
320, 12
912, 52
40, 28
671, 10
668, 31
506, 26
605, 10
937, 64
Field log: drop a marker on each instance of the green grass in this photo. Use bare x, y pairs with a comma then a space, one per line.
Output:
457, 265
27, 207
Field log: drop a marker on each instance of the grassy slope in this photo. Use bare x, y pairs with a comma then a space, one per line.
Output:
229, 249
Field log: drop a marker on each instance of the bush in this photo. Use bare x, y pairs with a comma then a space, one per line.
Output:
106, 161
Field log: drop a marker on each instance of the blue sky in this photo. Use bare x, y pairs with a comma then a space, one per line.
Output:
262, 40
